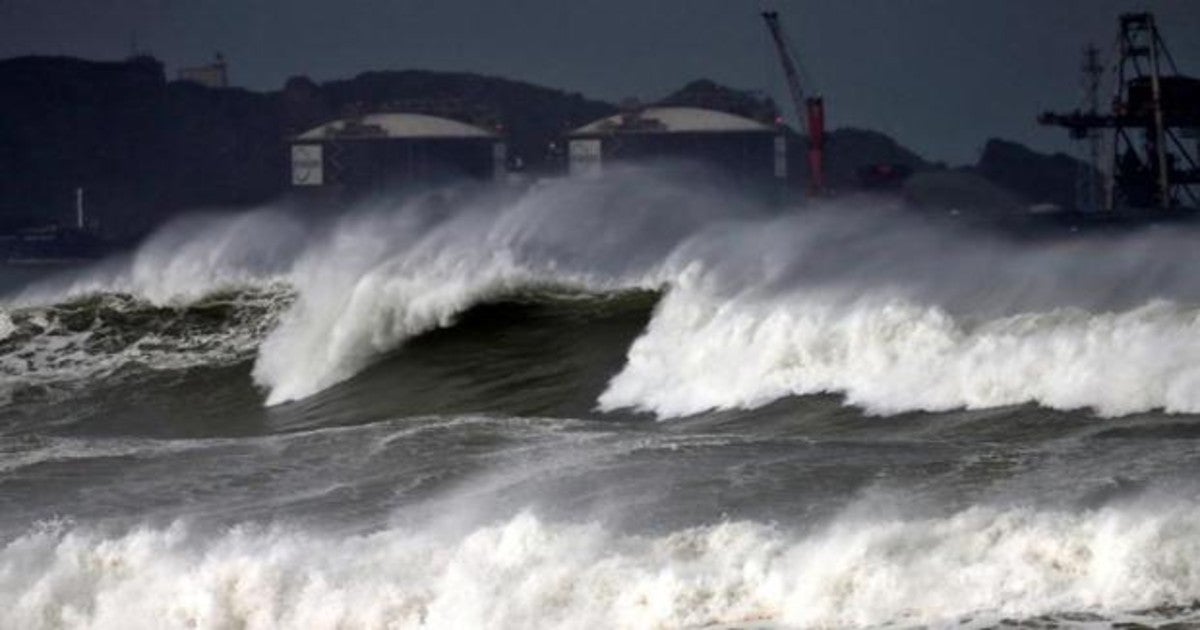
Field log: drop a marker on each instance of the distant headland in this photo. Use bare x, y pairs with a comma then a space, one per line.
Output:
146, 148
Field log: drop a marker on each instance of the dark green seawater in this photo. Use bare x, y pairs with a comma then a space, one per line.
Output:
481, 421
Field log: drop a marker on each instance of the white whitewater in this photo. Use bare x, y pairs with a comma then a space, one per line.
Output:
849, 297
981, 563
894, 355
195, 508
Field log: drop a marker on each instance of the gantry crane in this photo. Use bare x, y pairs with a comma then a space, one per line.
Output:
1153, 110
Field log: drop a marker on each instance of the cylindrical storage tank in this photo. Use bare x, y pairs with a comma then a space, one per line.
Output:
738, 147
374, 151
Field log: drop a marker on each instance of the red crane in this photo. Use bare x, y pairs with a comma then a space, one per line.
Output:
810, 112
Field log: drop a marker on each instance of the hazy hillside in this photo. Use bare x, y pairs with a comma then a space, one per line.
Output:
144, 148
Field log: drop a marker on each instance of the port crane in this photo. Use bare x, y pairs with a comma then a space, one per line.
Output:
810, 111
1153, 110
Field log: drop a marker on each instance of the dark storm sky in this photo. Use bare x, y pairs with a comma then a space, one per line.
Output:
939, 75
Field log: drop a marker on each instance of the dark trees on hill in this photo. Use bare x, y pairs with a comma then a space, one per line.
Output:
143, 148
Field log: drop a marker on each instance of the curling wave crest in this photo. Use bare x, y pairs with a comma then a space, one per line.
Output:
890, 356
857, 296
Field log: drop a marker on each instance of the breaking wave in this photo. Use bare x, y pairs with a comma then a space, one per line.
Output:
101, 335
894, 355
859, 296
976, 567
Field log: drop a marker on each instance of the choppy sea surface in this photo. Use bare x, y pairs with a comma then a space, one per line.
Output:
630, 402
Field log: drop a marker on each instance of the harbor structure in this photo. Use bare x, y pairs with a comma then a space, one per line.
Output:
810, 108
372, 151
1154, 115
739, 147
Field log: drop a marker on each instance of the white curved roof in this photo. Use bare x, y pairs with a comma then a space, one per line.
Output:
393, 125
674, 120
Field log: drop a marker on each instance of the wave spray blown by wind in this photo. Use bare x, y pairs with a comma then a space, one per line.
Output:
858, 297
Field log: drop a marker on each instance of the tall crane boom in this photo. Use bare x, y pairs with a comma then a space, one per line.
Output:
789, 65
810, 112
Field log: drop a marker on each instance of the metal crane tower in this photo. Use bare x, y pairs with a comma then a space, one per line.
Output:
1152, 112
810, 111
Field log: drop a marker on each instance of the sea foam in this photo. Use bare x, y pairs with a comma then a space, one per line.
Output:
891, 355
857, 296
983, 563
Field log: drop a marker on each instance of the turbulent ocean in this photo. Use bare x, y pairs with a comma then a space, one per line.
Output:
631, 402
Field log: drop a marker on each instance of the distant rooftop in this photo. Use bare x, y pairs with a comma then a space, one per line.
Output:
673, 120
395, 125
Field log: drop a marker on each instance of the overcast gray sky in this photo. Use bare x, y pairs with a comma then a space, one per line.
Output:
941, 76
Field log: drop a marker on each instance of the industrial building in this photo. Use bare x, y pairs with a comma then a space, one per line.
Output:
741, 148
372, 151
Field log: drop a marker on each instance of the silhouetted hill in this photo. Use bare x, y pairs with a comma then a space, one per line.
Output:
144, 148
1009, 178
533, 116
140, 147
221, 146
707, 94
961, 190
849, 149
66, 123
1037, 177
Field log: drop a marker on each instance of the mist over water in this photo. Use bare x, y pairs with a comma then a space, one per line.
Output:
854, 296
633, 401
